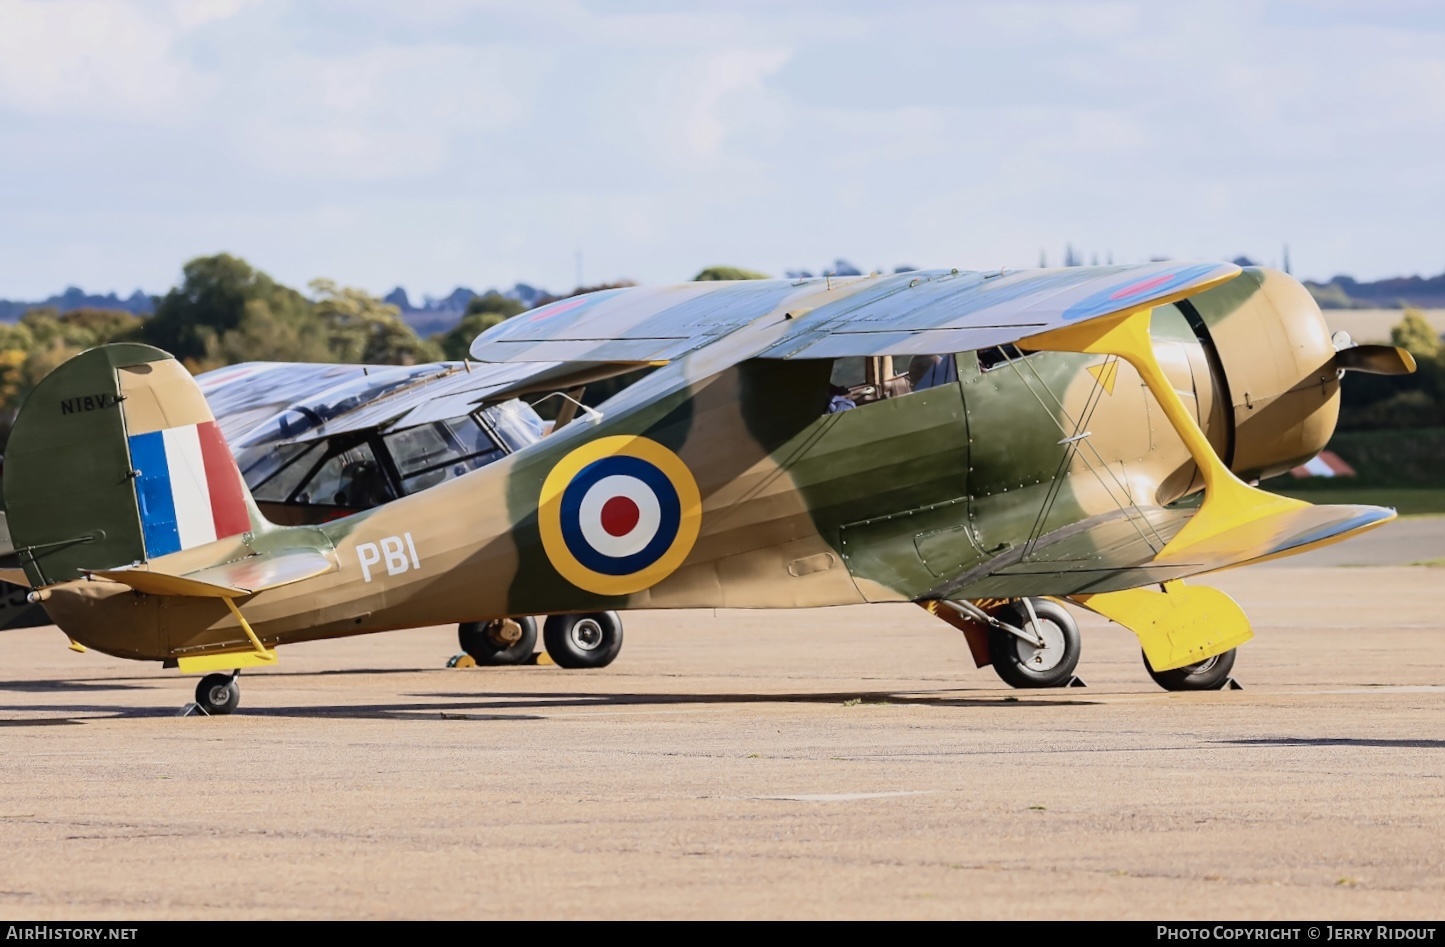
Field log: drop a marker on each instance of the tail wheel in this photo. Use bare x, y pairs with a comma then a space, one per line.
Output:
504, 641
1021, 663
218, 694
1211, 674
583, 641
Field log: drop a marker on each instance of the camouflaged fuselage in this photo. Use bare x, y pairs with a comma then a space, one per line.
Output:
1044, 473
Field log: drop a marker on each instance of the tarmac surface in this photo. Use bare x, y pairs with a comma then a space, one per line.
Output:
843, 763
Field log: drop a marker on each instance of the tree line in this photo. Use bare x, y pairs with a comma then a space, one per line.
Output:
1373, 402
225, 311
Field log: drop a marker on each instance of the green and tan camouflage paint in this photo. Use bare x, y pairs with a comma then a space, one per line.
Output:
968, 490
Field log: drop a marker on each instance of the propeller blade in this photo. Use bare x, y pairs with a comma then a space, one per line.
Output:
1376, 359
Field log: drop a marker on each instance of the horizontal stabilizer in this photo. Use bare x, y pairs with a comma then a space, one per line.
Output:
231, 580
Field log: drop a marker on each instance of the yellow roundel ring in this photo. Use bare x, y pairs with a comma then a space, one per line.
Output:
619, 514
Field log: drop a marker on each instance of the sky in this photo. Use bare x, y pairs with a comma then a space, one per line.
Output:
437, 143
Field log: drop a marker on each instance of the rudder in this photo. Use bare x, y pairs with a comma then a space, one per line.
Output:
116, 459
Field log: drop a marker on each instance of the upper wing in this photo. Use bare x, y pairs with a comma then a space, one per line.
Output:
921, 312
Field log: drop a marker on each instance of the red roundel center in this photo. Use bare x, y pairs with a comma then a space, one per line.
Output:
620, 516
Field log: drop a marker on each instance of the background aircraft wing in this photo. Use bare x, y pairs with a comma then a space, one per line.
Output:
439, 397
241, 396
395, 396
923, 312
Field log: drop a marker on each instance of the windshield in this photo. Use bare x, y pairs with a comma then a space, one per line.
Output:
433, 453
516, 423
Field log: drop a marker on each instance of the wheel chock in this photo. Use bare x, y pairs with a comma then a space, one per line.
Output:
1076, 681
1230, 684
465, 660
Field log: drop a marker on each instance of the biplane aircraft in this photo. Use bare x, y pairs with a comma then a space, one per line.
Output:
987, 445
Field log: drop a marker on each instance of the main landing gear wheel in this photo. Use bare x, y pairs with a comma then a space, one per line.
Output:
1020, 663
218, 694
505, 641
583, 641
1211, 674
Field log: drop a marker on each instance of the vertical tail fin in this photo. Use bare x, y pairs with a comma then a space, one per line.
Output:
115, 459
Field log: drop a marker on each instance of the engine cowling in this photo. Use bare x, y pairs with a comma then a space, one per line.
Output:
1281, 381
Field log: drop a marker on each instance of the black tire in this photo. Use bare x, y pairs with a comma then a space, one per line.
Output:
583, 641
486, 641
1019, 663
218, 694
1210, 674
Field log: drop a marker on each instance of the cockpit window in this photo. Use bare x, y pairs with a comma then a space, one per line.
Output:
855, 382
848, 372
430, 454
418, 448
258, 464
351, 479
293, 461
989, 359
930, 371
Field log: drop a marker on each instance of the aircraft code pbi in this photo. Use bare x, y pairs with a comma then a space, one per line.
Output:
391, 552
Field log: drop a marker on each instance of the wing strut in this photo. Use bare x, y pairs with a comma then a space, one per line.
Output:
1176, 625
1228, 501
231, 660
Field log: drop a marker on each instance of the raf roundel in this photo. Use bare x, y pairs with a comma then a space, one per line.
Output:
619, 514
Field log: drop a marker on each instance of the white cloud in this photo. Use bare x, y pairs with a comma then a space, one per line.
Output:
189, 14
379, 113
93, 58
496, 138
727, 95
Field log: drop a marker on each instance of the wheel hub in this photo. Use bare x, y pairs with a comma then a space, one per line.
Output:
1203, 667
219, 694
504, 633
586, 634
1050, 655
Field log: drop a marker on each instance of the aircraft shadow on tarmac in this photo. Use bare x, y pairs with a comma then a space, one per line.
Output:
504, 705
1338, 741
41, 687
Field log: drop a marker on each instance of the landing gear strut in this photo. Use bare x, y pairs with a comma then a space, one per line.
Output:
1047, 661
218, 694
